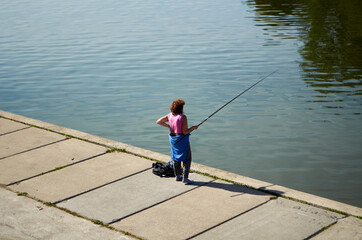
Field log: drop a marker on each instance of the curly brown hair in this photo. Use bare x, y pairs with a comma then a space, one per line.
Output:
177, 106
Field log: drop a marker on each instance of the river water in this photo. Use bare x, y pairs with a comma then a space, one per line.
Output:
112, 68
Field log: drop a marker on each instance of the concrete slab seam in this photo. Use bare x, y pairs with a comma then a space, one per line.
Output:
53, 131
158, 203
276, 193
17, 130
103, 185
94, 221
227, 220
34, 148
324, 229
48, 204
30, 125
56, 169
111, 148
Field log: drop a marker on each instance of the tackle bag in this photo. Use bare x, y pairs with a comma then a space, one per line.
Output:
163, 169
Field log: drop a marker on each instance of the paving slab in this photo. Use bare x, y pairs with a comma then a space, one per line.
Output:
129, 196
26, 139
38, 161
193, 212
315, 200
82, 176
217, 210
278, 219
348, 228
8, 126
22, 218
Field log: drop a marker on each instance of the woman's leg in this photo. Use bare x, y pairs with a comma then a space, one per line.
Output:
177, 170
187, 163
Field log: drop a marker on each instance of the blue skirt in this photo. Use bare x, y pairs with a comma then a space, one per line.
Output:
179, 150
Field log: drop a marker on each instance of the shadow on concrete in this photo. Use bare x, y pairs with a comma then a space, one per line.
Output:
271, 191
237, 189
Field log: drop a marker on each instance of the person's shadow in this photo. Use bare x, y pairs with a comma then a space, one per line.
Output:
238, 189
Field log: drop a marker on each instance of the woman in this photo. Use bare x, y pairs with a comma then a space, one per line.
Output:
180, 151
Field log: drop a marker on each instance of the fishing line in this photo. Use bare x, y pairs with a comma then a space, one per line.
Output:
229, 102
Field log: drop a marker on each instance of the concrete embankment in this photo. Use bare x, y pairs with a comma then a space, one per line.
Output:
60, 183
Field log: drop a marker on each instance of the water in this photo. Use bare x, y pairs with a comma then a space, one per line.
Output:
112, 68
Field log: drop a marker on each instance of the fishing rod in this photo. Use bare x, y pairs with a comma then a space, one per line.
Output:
229, 103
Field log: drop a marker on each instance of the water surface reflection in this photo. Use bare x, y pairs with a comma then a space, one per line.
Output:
330, 35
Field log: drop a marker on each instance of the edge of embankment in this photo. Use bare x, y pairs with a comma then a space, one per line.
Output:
277, 190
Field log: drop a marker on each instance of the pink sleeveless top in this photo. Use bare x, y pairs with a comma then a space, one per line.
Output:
175, 122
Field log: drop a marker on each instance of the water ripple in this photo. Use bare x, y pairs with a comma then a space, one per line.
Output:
111, 68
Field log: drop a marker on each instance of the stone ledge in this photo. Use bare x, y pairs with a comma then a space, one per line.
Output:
221, 174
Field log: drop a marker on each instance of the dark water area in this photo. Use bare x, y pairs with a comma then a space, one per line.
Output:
112, 68
331, 33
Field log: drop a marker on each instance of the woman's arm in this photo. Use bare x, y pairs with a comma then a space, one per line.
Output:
185, 128
162, 121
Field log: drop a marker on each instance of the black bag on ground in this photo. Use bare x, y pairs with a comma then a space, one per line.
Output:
163, 169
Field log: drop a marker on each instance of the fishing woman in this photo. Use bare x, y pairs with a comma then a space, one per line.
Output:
179, 139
